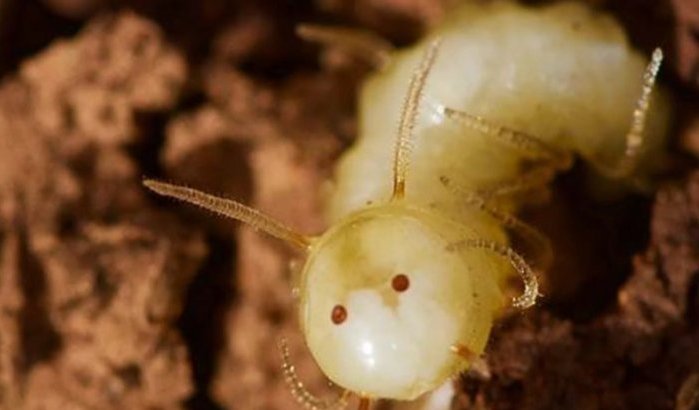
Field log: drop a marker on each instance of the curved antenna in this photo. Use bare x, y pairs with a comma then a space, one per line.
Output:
635, 138
362, 43
404, 140
230, 209
531, 285
299, 391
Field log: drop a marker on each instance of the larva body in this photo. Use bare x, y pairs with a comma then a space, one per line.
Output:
563, 74
400, 293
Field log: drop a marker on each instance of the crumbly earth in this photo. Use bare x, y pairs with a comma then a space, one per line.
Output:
111, 298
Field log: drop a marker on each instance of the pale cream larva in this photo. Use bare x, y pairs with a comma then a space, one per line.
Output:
400, 293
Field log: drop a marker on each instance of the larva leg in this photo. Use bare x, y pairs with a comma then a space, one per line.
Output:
528, 145
463, 351
300, 393
231, 209
531, 286
476, 363
540, 244
362, 43
530, 182
635, 138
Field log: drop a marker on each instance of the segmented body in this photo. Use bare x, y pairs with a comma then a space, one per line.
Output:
400, 293
564, 74
566, 79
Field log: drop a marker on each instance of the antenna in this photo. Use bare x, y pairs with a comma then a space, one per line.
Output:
413, 99
230, 209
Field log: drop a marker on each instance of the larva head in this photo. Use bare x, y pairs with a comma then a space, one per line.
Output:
385, 301
389, 308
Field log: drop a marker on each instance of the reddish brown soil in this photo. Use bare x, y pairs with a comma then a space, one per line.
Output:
111, 298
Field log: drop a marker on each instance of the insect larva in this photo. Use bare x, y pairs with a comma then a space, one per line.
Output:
400, 293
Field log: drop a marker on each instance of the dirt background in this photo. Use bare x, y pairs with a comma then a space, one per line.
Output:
111, 298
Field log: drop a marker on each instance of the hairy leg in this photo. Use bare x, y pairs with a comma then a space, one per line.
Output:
538, 245
527, 145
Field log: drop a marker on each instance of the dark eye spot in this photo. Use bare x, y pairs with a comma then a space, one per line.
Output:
400, 283
339, 314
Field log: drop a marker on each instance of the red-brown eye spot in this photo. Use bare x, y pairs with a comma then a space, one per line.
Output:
400, 283
339, 314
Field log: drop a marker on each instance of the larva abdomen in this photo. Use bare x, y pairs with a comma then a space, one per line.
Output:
564, 74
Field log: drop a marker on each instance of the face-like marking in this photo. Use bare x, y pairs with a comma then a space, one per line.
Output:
338, 314
372, 300
400, 282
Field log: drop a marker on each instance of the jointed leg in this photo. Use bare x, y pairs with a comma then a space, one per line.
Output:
529, 145
541, 246
532, 180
